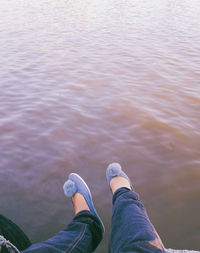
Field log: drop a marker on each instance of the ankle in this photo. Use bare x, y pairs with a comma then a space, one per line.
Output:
119, 182
79, 203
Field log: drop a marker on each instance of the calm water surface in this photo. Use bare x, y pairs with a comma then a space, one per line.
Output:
88, 82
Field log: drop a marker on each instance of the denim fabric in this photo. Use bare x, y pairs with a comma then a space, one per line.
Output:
131, 230
82, 235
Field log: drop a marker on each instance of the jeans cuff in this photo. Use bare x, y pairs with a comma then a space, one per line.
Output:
86, 215
124, 190
93, 223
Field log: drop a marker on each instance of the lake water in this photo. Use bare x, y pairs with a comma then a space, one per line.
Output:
86, 83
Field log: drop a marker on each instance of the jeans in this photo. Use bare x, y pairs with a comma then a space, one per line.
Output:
131, 230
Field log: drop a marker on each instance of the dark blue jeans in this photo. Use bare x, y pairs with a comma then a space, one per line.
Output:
131, 230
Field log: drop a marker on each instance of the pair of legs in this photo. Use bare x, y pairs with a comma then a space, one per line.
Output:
131, 229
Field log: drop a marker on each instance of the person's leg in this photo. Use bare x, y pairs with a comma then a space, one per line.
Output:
131, 229
85, 231
82, 235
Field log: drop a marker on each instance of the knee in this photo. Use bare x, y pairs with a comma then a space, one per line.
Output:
157, 243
